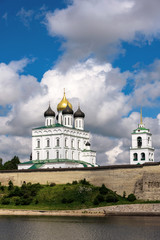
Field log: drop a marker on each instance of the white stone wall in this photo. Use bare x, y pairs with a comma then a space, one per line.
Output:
70, 140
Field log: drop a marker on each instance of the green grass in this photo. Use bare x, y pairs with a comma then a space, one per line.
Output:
79, 195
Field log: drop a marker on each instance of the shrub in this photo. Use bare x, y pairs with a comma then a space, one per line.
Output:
69, 200
103, 190
124, 194
25, 201
74, 182
10, 186
98, 199
52, 184
95, 202
111, 198
2, 188
64, 200
17, 201
84, 182
131, 197
5, 201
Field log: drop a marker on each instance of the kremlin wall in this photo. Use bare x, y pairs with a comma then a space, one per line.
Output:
142, 180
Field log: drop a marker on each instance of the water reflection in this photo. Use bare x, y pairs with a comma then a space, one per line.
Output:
76, 228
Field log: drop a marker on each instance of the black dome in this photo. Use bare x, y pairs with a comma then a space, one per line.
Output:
49, 112
67, 110
88, 144
79, 113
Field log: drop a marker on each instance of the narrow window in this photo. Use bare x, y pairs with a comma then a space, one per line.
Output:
79, 123
78, 144
57, 142
48, 143
72, 155
135, 156
47, 122
142, 156
47, 154
37, 155
72, 143
57, 153
65, 142
66, 154
68, 121
65, 121
139, 142
38, 143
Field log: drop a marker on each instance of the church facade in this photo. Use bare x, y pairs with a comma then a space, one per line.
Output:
141, 150
62, 142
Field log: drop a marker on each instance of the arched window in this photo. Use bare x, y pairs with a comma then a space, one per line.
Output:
71, 121
65, 142
48, 143
47, 154
50, 122
72, 143
143, 156
37, 155
65, 121
135, 156
139, 142
38, 143
66, 154
78, 144
47, 122
57, 142
68, 121
79, 123
57, 154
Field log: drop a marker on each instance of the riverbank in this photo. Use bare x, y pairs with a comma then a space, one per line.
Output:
118, 210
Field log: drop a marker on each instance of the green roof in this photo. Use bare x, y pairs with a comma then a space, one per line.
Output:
140, 128
38, 163
88, 150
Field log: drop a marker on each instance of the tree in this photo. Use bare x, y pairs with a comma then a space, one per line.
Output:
12, 164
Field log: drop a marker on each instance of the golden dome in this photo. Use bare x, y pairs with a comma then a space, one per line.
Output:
63, 103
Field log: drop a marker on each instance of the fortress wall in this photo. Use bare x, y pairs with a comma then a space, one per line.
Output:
142, 180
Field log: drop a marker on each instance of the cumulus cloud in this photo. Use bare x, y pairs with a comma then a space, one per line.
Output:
98, 27
99, 90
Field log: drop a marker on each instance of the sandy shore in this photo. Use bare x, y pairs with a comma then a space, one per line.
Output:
119, 210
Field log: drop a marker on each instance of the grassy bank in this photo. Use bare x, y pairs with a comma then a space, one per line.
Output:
78, 195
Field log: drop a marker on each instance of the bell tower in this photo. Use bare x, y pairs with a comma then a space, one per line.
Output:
141, 150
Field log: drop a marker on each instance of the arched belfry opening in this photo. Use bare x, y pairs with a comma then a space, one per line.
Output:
139, 142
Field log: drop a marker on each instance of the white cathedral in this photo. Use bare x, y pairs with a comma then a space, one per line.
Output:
141, 150
62, 142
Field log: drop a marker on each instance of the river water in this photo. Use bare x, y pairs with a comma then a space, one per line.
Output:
79, 228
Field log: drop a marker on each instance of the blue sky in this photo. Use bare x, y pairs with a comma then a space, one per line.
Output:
105, 53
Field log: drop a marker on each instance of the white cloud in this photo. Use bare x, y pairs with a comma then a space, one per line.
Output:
99, 90
25, 16
99, 27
